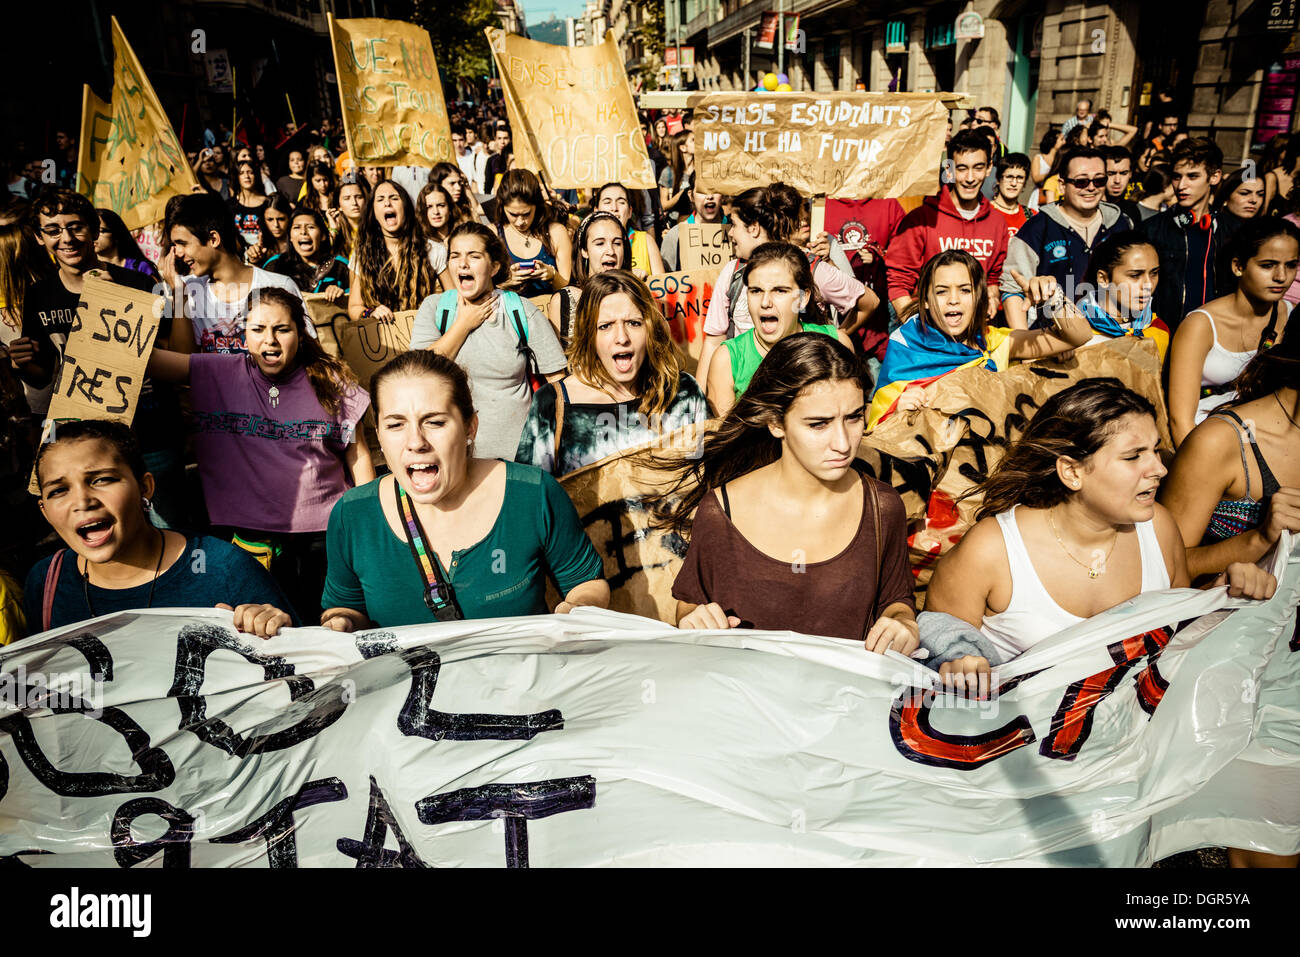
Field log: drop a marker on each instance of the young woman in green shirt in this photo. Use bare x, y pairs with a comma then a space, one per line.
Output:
448, 535
782, 302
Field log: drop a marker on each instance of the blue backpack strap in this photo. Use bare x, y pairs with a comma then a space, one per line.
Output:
515, 306
446, 310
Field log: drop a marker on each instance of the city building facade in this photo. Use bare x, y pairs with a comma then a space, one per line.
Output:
1231, 66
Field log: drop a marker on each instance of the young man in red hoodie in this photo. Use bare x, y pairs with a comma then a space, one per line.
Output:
957, 218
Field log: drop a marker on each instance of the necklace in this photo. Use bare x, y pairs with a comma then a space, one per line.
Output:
85, 576
1098, 567
1293, 422
273, 394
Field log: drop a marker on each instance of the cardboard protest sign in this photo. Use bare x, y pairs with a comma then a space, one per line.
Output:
935, 456
610, 739
368, 344
327, 316
129, 158
852, 145
612, 497
931, 459
104, 359
572, 113
683, 297
393, 108
703, 245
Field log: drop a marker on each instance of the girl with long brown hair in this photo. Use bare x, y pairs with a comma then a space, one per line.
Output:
787, 534
23, 263
945, 328
391, 271
437, 215
625, 386
780, 288
601, 245
1069, 526
277, 440
771, 214
540, 251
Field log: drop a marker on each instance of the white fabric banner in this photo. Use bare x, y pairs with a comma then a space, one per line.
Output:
598, 738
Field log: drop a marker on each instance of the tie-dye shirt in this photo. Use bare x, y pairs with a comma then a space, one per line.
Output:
592, 431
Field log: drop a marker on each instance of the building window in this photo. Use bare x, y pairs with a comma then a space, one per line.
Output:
831, 53
896, 36
939, 36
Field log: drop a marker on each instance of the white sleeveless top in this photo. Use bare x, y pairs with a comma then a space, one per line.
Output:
1222, 367
1032, 615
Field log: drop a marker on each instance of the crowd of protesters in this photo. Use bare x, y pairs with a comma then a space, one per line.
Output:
537, 349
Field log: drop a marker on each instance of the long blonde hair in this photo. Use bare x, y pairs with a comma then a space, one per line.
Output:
23, 263
660, 373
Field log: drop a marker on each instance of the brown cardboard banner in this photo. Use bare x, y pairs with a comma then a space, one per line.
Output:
702, 246
393, 107
931, 458
129, 159
849, 145
368, 344
103, 362
611, 497
327, 316
935, 456
571, 113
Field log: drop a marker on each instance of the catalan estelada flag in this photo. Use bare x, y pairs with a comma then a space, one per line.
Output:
918, 354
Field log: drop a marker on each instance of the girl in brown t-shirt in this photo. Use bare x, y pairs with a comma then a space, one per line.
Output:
788, 536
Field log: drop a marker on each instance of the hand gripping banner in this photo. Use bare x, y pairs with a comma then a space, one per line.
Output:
164, 739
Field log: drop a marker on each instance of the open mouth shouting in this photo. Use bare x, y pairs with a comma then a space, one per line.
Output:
423, 476
389, 219
624, 362
271, 358
709, 209
96, 532
467, 283
769, 323
954, 320
1147, 496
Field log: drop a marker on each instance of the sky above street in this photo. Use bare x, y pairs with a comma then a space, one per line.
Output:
537, 11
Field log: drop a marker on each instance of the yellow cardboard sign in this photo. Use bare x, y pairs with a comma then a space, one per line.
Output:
103, 363
393, 108
850, 145
571, 113
129, 158
702, 246
367, 345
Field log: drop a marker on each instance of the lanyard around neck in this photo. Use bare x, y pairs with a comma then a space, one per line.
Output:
438, 595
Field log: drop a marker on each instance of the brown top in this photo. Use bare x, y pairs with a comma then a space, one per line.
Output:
841, 597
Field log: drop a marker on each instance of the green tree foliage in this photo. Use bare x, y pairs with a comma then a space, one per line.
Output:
651, 33
456, 29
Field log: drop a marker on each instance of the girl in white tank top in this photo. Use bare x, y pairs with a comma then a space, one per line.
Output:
1032, 615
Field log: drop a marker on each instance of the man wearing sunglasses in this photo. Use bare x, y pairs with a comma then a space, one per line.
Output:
1059, 241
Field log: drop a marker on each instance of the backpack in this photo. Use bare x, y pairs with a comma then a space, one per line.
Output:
447, 304
737, 284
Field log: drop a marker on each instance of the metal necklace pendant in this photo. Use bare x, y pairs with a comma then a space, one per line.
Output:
274, 393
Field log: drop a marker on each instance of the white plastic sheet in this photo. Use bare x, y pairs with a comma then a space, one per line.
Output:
603, 739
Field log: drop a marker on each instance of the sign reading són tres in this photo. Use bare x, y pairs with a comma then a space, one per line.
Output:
851, 145
393, 108
103, 363
572, 113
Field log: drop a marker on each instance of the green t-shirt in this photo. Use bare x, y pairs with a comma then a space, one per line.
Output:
745, 357
371, 569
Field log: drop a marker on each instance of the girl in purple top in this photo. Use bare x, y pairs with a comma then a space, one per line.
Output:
277, 440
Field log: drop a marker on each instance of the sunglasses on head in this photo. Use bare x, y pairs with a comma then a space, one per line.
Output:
1083, 182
